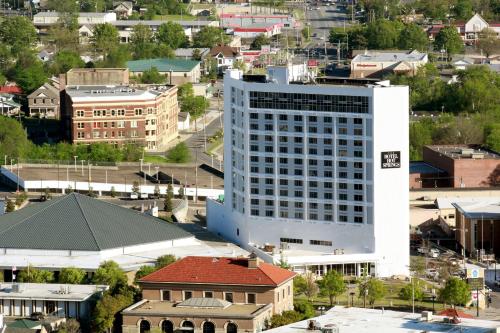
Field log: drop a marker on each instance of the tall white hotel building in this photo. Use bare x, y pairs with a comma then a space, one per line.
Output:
316, 174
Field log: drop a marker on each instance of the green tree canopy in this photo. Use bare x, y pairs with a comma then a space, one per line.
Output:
305, 284
383, 34
413, 290
209, 37
109, 273
33, 275
259, 41
105, 38
489, 42
165, 260
172, 34
141, 41
305, 308
13, 140
374, 289
18, 32
105, 316
152, 76
143, 271
285, 318
455, 292
449, 40
413, 37
463, 9
72, 275
332, 285
179, 154
65, 60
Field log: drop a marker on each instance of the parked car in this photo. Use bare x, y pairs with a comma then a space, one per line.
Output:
144, 196
134, 196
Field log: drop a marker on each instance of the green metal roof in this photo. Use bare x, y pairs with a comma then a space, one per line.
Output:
162, 64
78, 222
24, 323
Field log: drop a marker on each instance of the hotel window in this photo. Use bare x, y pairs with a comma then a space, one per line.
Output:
358, 219
95, 135
320, 242
291, 240
342, 130
228, 297
358, 131
121, 124
80, 135
358, 187
343, 218
121, 112
80, 113
133, 124
113, 112
188, 295
208, 294
80, 125
358, 121
134, 134
342, 120
251, 298
138, 112
165, 295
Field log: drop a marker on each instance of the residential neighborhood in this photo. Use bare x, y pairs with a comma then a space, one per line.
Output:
209, 166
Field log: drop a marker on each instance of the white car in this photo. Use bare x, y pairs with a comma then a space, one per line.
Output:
144, 196
134, 196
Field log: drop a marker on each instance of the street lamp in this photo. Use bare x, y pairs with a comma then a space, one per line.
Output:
321, 309
75, 157
433, 298
352, 293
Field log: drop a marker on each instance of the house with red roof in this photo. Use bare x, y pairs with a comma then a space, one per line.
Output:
209, 295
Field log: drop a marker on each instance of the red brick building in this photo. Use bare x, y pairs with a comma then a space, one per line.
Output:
211, 295
122, 114
465, 165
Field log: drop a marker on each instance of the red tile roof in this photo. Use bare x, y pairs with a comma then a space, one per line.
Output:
210, 270
454, 313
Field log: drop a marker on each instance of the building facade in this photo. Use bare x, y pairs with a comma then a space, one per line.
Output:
205, 294
44, 102
121, 114
379, 63
316, 174
50, 299
176, 71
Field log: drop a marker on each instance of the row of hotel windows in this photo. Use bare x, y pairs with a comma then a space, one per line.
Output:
312, 205
310, 151
310, 129
300, 183
312, 194
311, 119
300, 140
113, 112
312, 216
300, 172
300, 241
304, 102
112, 124
301, 161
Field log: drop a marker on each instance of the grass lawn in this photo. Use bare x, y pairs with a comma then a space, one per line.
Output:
212, 146
155, 159
391, 300
186, 17
202, 6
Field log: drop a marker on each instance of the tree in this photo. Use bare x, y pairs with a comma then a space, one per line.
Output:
10, 206
21, 197
259, 41
33, 275
196, 55
210, 36
30, 78
152, 76
306, 284
143, 271
383, 34
492, 136
412, 291
168, 204
463, 9
306, 33
195, 106
70, 326
172, 34
417, 266
112, 192
141, 41
109, 273
488, 42
374, 290
455, 292
179, 154
107, 309
332, 285
413, 37
105, 38
181, 192
170, 191
117, 57
13, 140
449, 40
240, 64
434, 9
72, 275
135, 187
165, 260
285, 318
18, 32
65, 60
305, 308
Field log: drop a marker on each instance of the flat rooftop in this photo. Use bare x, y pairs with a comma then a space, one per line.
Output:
371, 56
424, 168
49, 291
361, 320
83, 93
185, 175
131, 23
458, 152
160, 308
486, 208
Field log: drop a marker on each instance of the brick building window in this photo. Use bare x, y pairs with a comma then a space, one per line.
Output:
251, 298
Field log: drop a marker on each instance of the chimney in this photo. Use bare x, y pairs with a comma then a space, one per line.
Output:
253, 261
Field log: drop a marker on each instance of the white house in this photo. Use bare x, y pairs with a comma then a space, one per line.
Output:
226, 56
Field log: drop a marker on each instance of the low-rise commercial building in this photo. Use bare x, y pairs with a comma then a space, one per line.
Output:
204, 294
50, 299
465, 165
256, 29
42, 20
122, 114
247, 20
376, 64
94, 77
176, 71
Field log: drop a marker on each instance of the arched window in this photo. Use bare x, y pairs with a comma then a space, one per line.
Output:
231, 328
167, 326
208, 327
188, 324
144, 326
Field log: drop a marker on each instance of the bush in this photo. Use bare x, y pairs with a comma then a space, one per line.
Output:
179, 154
305, 308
